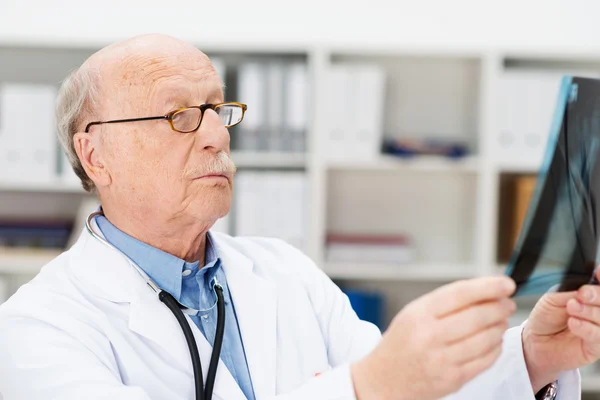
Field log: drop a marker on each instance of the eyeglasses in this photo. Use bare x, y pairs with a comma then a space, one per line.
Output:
188, 119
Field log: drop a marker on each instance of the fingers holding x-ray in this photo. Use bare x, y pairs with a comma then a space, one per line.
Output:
477, 345
461, 325
584, 310
459, 295
586, 330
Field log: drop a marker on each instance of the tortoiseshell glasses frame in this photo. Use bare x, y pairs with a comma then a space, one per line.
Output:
188, 119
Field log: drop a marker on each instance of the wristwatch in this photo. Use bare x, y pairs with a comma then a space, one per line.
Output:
548, 392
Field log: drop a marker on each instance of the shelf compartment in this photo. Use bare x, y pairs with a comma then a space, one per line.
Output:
435, 211
399, 272
25, 261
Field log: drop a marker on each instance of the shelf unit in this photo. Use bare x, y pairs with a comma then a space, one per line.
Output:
462, 196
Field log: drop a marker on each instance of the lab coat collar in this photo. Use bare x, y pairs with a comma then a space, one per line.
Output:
104, 272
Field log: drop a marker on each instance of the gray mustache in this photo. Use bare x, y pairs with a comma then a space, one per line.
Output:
221, 164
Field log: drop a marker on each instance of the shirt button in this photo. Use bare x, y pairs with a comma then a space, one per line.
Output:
186, 272
205, 316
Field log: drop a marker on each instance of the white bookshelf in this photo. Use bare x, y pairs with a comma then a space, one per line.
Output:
461, 99
467, 85
458, 87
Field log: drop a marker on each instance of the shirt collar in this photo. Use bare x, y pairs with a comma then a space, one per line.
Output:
163, 268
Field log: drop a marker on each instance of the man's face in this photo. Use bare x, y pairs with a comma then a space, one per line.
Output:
153, 167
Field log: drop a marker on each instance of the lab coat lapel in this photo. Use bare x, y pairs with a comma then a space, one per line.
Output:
106, 273
153, 320
255, 303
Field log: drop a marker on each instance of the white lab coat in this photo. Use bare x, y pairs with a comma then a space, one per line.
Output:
88, 327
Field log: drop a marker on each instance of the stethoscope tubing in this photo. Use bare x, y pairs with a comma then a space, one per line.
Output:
176, 308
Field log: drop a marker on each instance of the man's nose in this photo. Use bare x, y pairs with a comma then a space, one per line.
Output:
212, 133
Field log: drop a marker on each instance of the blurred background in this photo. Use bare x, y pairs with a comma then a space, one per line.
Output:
395, 142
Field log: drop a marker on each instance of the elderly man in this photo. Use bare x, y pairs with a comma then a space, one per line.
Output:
144, 123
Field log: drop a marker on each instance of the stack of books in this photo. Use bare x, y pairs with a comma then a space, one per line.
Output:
35, 233
394, 249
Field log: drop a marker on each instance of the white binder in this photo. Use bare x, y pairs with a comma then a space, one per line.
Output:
356, 101
273, 135
252, 91
28, 147
297, 108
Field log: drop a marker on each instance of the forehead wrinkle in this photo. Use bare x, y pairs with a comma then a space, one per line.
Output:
139, 77
172, 92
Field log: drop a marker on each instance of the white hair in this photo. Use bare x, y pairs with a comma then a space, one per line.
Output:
77, 99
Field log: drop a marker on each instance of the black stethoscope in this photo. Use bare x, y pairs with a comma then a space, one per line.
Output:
179, 312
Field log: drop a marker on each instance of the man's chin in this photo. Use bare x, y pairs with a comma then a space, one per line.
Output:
211, 208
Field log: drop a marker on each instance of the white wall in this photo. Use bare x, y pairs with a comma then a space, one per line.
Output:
546, 23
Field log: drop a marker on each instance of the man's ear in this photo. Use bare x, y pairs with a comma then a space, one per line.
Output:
90, 156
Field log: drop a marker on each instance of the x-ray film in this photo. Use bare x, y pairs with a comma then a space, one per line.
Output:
558, 243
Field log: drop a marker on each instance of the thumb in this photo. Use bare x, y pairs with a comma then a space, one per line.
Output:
558, 300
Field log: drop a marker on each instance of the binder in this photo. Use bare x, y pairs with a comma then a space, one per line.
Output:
251, 90
368, 111
335, 142
272, 138
356, 101
27, 133
526, 104
296, 107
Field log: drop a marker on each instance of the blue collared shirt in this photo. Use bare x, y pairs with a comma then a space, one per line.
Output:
190, 285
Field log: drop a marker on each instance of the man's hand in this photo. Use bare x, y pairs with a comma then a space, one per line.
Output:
438, 342
562, 333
